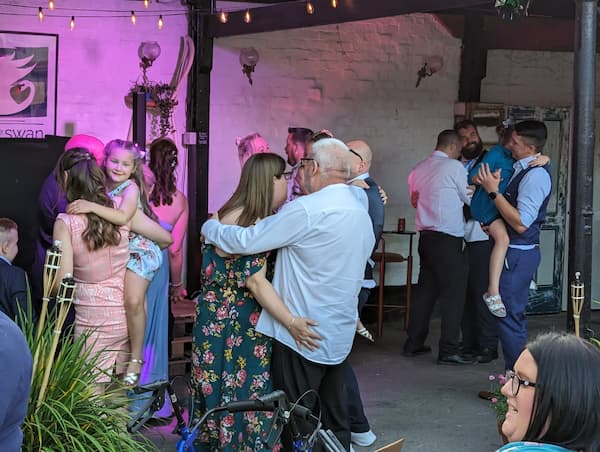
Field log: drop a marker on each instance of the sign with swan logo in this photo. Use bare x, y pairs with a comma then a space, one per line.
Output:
28, 68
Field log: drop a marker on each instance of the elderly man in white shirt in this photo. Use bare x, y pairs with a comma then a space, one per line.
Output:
441, 184
324, 240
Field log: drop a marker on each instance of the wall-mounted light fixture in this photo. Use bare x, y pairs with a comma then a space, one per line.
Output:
248, 58
431, 65
148, 51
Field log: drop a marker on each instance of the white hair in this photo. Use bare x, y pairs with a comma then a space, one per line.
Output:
325, 152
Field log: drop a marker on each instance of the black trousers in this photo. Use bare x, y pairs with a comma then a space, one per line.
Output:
358, 420
442, 276
479, 326
295, 375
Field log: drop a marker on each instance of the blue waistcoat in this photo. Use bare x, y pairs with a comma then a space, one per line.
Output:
532, 235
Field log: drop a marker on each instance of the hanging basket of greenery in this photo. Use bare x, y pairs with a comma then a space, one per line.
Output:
160, 101
509, 9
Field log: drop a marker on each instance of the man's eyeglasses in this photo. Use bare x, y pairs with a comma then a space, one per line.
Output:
320, 136
356, 154
287, 175
516, 382
304, 160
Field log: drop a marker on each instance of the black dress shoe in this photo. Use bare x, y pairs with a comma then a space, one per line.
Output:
454, 359
487, 355
412, 352
485, 395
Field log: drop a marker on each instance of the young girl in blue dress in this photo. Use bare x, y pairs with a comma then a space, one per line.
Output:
125, 182
498, 159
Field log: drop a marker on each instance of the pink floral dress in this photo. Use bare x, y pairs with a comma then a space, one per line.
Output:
230, 360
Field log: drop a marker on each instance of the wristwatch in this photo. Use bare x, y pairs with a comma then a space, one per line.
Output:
492, 195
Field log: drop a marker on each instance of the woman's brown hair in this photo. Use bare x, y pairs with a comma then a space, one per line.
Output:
163, 162
254, 193
81, 178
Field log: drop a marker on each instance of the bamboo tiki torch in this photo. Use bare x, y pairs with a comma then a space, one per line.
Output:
577, 294
64, 298
51, 266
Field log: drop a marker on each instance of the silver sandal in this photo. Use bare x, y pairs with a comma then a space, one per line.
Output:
494, 304
132, 378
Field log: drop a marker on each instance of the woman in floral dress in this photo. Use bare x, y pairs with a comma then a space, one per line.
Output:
231, 361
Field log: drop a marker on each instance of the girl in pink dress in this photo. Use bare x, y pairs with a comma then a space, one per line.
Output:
95, 251
125, 180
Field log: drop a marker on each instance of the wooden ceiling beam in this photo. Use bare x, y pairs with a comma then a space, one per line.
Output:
533, 33
289, 15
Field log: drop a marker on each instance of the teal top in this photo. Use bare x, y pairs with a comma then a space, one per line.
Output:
527, 446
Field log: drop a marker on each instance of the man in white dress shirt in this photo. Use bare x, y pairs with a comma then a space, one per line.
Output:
441, 183
324, 240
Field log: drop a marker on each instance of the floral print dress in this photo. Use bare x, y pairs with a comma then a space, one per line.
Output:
230, 360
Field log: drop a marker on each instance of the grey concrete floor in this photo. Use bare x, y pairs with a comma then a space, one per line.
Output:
433, 407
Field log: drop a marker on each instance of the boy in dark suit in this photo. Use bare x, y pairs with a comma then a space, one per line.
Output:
13, 282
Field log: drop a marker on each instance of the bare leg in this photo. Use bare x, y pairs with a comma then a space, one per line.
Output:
492, 298
135, 307
497, 231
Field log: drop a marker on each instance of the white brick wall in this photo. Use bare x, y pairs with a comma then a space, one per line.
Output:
356, 79
98, 62
528, 78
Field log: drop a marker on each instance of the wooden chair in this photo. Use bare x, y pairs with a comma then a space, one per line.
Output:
382, 257
184, 316
396, 446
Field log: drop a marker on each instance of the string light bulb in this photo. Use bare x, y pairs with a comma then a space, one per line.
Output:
146, 3
40, 13
247, 16
334, 3
161, 22
72, 23
310, 9
51, 4
133, 18
223, 17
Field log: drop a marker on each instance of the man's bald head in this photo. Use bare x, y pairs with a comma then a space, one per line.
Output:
92, 144
360, 161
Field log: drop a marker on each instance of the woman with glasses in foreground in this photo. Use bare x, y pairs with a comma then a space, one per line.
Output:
553, 397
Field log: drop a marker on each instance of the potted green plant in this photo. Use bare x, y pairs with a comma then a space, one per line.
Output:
498, 401
64, 410
160, 101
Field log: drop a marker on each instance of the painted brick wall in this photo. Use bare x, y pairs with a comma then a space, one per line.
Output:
528, 78
98, 62
355, 79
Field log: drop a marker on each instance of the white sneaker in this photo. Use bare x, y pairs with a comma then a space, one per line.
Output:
363, 439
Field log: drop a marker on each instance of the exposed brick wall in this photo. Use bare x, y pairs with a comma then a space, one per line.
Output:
98, 62
356, 79
528, 78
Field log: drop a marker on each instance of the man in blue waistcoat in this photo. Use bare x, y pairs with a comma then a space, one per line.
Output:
523, 208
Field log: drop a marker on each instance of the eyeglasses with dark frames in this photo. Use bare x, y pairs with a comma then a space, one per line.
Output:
286, 175
320, 136
306, 159
356, 154
516, 382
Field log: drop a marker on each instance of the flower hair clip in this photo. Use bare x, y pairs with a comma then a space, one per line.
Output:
508, 122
